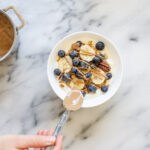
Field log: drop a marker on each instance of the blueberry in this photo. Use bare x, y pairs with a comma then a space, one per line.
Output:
57, 72
91, 88
100, 45
83, 93
109, 76
79, 75
104, 88
73, 54
66, 77
96, 60
79, 42
74, 70
88, 75
84, 65
75, 62
61, 53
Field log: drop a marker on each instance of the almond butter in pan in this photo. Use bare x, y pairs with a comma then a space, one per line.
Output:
9, 32
6, 35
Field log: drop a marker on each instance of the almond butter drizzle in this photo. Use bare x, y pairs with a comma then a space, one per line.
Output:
87, 52
83, 75
84, 61
97, 75
90, 54
97, 71
68, 62
6, 35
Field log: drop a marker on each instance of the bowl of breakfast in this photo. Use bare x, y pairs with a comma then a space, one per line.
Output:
88, 62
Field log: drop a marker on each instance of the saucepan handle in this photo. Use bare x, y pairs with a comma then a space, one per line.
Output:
18, 14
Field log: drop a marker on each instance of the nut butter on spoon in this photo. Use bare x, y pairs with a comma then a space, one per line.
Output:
72, 102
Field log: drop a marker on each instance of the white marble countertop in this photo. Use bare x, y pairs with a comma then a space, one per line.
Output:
27, 102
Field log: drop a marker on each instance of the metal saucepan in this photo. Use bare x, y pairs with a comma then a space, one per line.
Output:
12, 27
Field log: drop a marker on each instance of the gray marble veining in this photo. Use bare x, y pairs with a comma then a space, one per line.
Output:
27, 102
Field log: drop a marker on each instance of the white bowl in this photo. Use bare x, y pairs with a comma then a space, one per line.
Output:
117, 67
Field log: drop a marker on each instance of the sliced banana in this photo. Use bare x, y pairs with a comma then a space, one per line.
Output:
97, 78
69, 60
85, 71
77, 84
63, 65
87, 49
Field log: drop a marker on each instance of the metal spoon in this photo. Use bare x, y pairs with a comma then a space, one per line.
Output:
72, 102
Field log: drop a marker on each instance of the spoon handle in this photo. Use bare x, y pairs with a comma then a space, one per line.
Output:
59, 126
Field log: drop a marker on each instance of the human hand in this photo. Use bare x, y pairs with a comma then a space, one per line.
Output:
58, 142
23, 142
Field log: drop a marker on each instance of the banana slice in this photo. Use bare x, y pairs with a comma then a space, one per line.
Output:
77, 84
85, 71
64, 65
89, 50
97, 79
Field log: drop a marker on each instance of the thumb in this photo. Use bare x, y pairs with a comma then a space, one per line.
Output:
32, 141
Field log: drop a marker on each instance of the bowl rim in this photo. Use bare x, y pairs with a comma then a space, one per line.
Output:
107, 39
